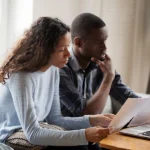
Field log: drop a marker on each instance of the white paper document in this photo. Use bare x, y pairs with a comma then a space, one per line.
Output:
136, 110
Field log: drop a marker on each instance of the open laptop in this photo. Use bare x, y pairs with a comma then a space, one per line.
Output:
142, 131
135, 115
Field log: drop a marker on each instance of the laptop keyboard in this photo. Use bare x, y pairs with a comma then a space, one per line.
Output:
147, 133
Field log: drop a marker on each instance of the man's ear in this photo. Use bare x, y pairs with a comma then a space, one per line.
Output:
78, 42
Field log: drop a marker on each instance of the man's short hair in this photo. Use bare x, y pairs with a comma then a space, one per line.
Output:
84, 23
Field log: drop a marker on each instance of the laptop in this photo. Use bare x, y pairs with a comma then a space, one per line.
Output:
142, 131
133, 118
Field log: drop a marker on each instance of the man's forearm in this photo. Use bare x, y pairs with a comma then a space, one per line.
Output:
96, 103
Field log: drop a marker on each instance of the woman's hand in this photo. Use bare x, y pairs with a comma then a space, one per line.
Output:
95, 134
102, 120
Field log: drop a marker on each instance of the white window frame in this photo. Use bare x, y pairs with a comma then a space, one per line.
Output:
3, 26
0, 10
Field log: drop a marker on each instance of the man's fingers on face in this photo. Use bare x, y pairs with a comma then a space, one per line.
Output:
95, 60
107, 57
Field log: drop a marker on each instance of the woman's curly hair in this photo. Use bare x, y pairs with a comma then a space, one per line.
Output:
34, 49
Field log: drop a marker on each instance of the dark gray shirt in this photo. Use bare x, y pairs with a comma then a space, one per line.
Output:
77, 86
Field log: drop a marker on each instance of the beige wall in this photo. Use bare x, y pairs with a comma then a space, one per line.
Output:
125, 20
63, 9
128, 23
119, 16
129, 28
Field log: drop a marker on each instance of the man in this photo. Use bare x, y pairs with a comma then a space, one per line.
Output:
88, 78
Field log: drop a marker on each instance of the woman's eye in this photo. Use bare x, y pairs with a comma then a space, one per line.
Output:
61, 50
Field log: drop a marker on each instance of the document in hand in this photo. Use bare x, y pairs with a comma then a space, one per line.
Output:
135, 111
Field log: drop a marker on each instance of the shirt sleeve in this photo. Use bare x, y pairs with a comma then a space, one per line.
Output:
119, 91
72, 102
21, 88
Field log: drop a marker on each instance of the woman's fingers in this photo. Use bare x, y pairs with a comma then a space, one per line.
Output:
111, 116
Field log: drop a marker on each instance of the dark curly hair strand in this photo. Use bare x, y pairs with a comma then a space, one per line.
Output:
34, 49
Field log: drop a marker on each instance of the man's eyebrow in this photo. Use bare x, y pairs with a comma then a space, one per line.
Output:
100, 40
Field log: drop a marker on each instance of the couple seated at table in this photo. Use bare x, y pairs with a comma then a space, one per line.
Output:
30, 81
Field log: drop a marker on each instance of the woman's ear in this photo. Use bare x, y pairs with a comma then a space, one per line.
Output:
77, 42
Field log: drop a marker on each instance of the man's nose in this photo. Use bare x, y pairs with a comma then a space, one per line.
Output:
104, 46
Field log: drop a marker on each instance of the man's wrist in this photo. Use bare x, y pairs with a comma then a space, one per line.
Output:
108, 78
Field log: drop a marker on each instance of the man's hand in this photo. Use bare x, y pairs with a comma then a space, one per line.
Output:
106, 66
102, 120
95, 134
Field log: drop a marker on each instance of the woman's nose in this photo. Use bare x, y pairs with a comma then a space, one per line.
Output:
67, 53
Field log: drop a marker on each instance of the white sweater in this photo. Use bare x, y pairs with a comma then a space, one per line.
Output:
27, 98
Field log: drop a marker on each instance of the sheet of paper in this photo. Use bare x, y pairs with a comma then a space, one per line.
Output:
129, 110
143, 116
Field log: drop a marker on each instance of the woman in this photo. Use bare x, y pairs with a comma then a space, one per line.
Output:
30, 90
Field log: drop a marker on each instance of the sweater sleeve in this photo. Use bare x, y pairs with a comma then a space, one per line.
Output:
55, 115
21, 88
5, 147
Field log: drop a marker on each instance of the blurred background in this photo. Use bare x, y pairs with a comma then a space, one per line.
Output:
128, 23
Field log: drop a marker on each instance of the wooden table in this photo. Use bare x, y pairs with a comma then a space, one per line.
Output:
118, 141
